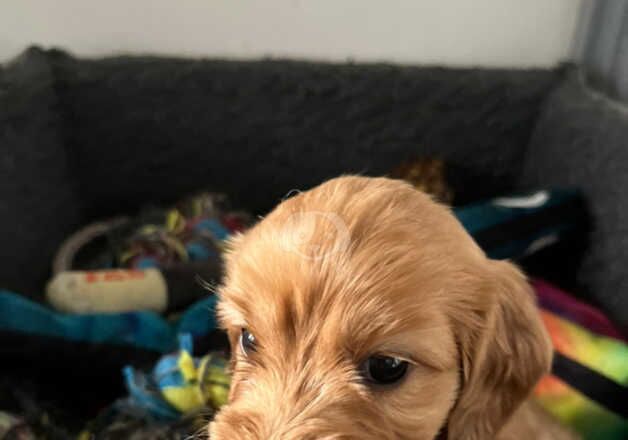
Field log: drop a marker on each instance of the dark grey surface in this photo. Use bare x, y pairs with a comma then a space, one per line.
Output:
151, 129
582, 140
38, 204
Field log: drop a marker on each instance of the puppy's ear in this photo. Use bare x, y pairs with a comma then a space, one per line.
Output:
504, 351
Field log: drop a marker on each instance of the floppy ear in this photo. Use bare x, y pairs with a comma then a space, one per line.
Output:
504, 351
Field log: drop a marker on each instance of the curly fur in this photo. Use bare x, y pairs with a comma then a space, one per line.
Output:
361, 266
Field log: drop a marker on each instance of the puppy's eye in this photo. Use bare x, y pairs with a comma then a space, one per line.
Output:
248, 343
384, 370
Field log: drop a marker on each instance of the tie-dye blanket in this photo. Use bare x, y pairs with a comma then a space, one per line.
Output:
588, 387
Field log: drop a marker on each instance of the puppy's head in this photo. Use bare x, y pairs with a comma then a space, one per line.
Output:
362, 310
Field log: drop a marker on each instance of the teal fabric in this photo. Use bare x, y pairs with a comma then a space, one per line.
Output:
144, 330
199, 318
521, 224
480, 216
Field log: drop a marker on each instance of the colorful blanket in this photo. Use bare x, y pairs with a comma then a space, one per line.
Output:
587, 389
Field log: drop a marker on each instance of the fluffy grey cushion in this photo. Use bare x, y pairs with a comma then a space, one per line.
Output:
582, 140
152, 129
38, 204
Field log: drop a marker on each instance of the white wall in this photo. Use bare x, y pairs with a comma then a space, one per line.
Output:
455, 32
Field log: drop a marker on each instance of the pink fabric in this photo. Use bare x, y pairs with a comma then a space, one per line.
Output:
563, 304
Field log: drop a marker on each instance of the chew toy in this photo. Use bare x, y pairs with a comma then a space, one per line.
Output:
179, 383
121, 290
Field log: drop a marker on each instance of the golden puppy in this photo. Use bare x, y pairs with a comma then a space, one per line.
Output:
363, 310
